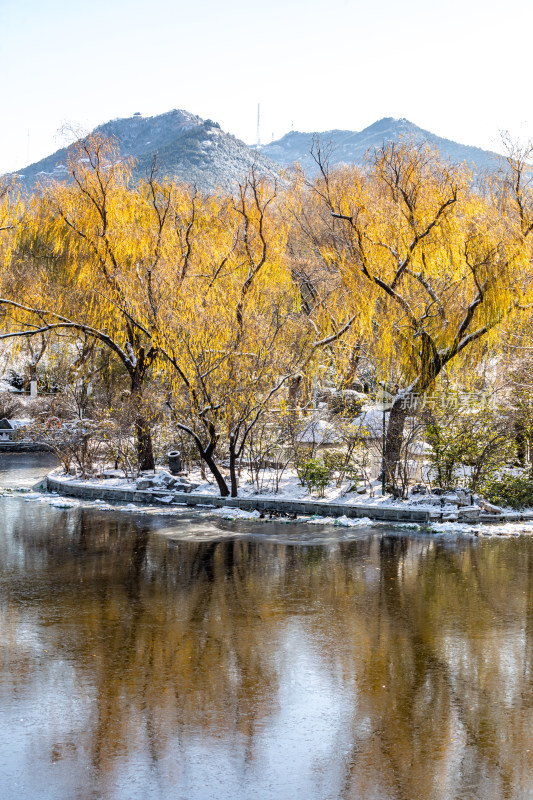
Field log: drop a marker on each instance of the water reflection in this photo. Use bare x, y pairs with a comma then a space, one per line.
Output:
141, 665
25, 469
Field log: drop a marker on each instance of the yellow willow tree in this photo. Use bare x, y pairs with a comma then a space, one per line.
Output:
432, 265
233, 332
8, 204
323, 297
10, 211
225, 314
87, 262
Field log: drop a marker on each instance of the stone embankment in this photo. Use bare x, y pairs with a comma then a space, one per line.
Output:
24, 447
92, 491
162, 495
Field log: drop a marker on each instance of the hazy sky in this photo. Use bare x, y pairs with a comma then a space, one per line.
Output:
459, 68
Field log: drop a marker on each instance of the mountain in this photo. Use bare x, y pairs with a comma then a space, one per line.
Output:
345, 147
199, 152
193, 150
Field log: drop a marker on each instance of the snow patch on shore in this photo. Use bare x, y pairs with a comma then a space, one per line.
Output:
494, 529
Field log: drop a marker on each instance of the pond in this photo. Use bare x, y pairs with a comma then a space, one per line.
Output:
150, 656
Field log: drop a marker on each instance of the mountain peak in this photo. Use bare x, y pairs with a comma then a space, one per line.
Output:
346, 147
185, 146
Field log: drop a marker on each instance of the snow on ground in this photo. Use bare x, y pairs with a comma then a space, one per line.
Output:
289, 488
63, 502
494, 529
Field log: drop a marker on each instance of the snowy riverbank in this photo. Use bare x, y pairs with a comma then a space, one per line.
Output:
446, 529
445, 514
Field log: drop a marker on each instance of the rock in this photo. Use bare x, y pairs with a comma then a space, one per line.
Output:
426, 500
464, 497
361, 490
464, 502
490, 509
469, 512
451, 498
164, 498
460, 497
164, 479
182, 487
144, 483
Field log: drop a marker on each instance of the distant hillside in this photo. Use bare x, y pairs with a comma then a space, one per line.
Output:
191, 149
347, 147
198, 152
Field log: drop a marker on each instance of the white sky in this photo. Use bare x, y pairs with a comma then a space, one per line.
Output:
460, 69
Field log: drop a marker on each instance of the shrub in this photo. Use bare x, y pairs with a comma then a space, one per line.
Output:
49, 383
16, 380
10, 406
515, 491
347, 404
472, 445
341, 466
314, 474
77, 443
39, 409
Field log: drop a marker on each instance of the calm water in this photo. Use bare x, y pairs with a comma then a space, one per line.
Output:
191, 659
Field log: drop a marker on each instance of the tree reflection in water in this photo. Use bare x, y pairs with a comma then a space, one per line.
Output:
386, 667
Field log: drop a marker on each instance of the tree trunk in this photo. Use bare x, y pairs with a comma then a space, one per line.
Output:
520, 439
221, 483
206, 454
393, 441
143, 436
233, 469
294, 390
